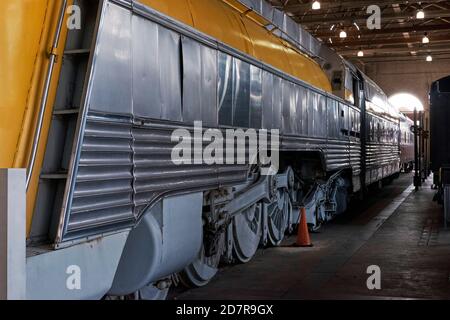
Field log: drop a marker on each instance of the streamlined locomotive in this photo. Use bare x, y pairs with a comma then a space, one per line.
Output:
95, 132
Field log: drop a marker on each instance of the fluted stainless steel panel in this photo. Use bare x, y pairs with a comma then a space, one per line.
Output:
382, 152
291, 28
113, 64
225, 89
267, 100
317, 117
311, 105
156, 175
296, 124
278, 20
255, 97
277, 103
192, 80
169, 64
252, 4
306, 40
146, 69
266, 10
303, 111
355, 156
344, 117
290, 143
315, 46
338, 154
322, 120
209, 86
241, 94
199, 83
103, 193
286, 108
333, 118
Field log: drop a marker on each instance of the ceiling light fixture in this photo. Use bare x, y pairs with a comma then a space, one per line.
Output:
420, 14
425, 38
360, 53
429, 58
343, 34
316, 5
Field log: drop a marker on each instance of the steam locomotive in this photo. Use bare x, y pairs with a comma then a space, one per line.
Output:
97, 115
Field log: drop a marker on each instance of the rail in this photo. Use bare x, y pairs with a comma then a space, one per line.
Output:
44, 98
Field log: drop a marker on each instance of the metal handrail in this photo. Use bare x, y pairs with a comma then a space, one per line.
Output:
44, 98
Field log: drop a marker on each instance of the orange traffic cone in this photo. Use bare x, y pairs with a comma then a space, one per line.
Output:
303, 239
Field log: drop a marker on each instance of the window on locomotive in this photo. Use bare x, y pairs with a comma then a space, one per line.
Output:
356, 94
349, 84
344, 121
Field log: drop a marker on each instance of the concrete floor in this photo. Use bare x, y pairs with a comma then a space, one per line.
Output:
397, 229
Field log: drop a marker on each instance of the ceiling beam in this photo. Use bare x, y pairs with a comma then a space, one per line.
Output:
403, 54
356, 43
298, 7
396, 50
334, 18
397, 59
365, 31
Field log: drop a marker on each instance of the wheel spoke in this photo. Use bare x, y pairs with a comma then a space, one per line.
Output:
247, 233
202, 270
278, 214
